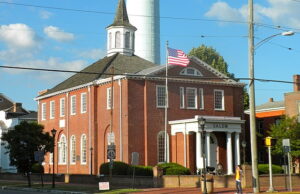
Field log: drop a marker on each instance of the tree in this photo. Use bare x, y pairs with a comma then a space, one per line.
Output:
214, 59
22, 142
288, 128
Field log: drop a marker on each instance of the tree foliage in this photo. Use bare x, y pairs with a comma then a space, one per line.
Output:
22, 142
288, 128
213, 58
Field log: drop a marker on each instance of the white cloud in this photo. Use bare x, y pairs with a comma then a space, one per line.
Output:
58, 34
19, 36
93, 54
221, 10
45, 14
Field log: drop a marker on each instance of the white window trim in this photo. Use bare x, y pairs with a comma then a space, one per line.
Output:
43, 111
81, 150
71, 149
196, 98
81, 102
73, 100
159, 106
62, 107
50, 158
182, 97
52, 109
201, 99
157, 137
108, 98
223, 100
60, 151
196, 72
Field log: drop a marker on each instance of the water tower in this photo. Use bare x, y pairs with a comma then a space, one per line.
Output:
144, 15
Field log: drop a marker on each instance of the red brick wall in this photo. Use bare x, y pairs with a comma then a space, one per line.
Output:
291, 101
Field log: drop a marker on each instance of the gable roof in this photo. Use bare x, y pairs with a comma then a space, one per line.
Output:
268, 107
101, 69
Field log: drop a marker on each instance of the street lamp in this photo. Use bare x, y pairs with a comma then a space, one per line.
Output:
53, 131
201, 122
252, 92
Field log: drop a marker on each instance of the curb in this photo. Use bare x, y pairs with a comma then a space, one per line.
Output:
40, 190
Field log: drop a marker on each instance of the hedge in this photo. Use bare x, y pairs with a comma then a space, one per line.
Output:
174, 169
264, 169
37, 168
121, 168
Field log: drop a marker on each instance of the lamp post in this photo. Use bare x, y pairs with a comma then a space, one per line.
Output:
53, 131
201, 124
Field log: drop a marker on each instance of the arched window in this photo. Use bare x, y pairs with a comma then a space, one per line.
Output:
109, 40
127, 40
73, 150
118, 40
191, 71
161, 146
83, 149
62, 150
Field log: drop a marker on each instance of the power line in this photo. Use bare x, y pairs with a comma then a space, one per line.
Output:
139, 75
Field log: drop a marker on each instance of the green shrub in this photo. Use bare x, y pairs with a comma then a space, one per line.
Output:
174, 169
119, 168
264, 169
37, 168
142, 170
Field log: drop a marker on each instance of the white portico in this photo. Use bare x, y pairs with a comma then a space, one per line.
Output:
222, 142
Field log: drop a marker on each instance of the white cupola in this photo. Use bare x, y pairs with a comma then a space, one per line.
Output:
120, 34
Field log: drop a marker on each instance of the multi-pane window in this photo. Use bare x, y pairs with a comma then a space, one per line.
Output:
83, 149
62, 107
109, 98
73, 150
62, 150
52, 109
127, 40
43, 111
181, 93
201, 98
73, 105
83, 103
160, 96
191, 95
161, 146
118, 40
219, 99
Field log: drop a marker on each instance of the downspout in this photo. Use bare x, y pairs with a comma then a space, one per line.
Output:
120, 120
67, 127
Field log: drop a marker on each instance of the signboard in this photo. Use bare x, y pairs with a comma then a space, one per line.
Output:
286, 145
103, 186
111, 138
111, 152
39, 156
134, 158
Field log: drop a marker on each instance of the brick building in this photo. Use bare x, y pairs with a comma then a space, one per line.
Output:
122, 97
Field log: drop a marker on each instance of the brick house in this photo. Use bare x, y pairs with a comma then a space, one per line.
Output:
122, 97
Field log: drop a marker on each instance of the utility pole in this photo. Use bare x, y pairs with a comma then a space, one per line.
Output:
255, 180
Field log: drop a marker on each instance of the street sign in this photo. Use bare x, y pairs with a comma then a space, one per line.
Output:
111, 138
134, 158
39, 156
103, 186
111, 152
286, 142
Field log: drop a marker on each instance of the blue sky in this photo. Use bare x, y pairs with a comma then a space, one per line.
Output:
32, 36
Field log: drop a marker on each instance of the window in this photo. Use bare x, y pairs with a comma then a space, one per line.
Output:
260, 126
127, 40
118, 40
73, 105
62, 107
201, 99
62, 150
219, 99
109, 40
43, 111
181, 93
52, 109
83, 149
51, 158
83, 103
191, 72
161, 146
73, 150
160, 96
191, 95
109, 103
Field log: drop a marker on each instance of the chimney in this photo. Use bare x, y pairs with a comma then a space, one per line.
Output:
296, 83
271, 100
17, 106
43, 92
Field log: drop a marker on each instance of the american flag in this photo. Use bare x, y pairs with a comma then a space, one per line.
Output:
177, 57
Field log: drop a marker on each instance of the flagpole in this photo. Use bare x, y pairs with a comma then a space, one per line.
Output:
166, 106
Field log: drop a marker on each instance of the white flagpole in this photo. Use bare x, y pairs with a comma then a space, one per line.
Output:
166, 107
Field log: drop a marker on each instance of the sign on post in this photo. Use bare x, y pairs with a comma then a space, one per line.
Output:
135, 158
286, 145
111, 152
111, 138
39, 156
103, 186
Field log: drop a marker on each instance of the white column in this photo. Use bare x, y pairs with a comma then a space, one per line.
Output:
229, 153
198, 151
208, 158
237, 152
